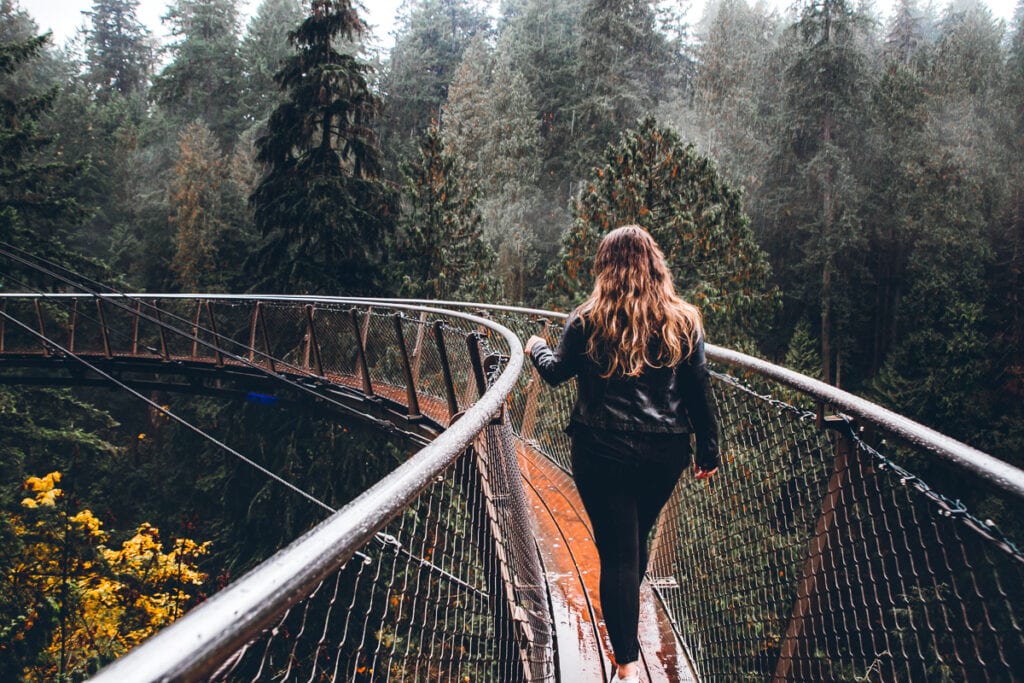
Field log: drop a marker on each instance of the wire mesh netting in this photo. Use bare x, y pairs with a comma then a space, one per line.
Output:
820, 552
830, 562
814, 555
448, 590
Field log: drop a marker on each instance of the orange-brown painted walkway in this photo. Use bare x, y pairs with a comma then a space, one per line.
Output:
571, 565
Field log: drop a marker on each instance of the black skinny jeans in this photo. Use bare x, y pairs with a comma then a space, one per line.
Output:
623, 497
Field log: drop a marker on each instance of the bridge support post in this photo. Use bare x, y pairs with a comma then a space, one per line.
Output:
312, 343
446, 371
826, 542
160, 328
216, 337
103, 329
364, 368
42, 328
410, 382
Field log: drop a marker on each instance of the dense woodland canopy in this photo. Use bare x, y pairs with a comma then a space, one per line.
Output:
839, 193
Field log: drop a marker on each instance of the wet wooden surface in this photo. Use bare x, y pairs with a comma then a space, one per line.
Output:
572, 568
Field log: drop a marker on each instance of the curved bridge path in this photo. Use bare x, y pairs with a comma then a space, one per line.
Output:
815, 555
571, 565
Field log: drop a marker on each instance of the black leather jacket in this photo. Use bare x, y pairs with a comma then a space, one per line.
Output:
671, 400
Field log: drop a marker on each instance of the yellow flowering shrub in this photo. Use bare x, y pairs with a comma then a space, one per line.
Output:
108, 598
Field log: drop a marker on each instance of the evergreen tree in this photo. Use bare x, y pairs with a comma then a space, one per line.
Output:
652, 179
204, 78
264, 50
118, 48
431, 38
207, 202
440, 249
36, 199
540, 39
324, 218
733, 74
814, 229
625, 67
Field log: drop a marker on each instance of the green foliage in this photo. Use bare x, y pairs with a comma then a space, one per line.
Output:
652, 179
204, 78
431, 38
37, 203
209, 203
324, 218
440, 249
118, 48
263, 51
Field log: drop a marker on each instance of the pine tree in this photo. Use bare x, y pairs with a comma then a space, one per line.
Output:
652, 179
118, 48
264, 50
624, 69
813, 227
431, 38
207, 203
324, 218
732, 83
440, 249
37, 203
204, 78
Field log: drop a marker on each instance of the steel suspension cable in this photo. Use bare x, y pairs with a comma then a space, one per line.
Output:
168, 413
176, 330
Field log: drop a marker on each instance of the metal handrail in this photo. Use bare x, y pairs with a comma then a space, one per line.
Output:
195, 645
993, 470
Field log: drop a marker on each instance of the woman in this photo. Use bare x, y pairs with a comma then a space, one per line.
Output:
637, 352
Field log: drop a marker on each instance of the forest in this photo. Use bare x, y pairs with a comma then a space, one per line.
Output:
839, 192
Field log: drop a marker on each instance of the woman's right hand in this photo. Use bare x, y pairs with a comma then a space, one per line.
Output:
698, 473
531, 342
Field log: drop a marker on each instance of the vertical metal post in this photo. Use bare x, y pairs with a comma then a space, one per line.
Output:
252, 332
364, 368
417, 351
103, 328
526, 429
446, 370
135, 328
160, 328
820, 558
216, 337
473, 344
312, 345
42, 329
195, 330
266, 335
3, 319
410, 383
72, 325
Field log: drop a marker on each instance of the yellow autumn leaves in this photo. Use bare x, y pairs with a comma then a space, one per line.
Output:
97, 600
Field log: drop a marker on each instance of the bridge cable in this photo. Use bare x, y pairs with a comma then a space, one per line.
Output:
384, 539
167, 412
183, 333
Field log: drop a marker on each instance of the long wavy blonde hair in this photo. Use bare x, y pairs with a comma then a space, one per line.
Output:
637, 318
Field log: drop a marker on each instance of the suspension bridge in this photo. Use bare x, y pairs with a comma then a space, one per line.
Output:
816, 554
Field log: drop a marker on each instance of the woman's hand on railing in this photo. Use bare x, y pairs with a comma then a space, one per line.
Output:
698, 473
531, 342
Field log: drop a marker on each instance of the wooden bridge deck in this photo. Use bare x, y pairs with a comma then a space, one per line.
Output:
572, 571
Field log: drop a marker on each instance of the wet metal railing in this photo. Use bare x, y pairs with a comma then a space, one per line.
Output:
431, 574
839, 542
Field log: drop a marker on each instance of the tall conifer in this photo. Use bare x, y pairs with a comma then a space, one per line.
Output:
324, 217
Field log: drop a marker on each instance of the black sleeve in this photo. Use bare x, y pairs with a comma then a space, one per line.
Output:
700, 410
563, 363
